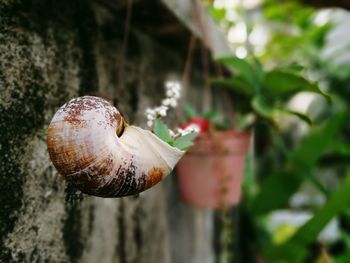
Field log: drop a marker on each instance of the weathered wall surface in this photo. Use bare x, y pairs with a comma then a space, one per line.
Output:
51, 51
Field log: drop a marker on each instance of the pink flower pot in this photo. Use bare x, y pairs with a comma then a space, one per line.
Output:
210, 174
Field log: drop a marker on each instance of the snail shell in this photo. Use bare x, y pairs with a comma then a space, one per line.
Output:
93, 147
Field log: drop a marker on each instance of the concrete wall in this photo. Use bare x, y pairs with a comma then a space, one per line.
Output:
51, 51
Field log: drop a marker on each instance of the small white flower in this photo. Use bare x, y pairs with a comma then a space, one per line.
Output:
149, 111
176, 87
150, 117
169, 84
176, 95
187, 131
156, 111
180, 131
196, 129
173, 102
172, 91
192, 128
171, 133
162, 111
149, 123
169, 93
166, 102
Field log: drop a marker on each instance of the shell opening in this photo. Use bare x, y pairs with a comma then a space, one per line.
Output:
121, 128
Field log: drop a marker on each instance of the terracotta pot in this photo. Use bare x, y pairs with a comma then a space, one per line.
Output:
210, 174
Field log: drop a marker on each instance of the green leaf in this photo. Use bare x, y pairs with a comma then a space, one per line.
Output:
317, 142
249, 176
278, 83
184, 146
285, 180
258, 69
217, 13
318, 34
294, 67
341, 147
262, 108
300, 115
186, 141
190, 112
162, 131
210, 115
243, 69
236, 84
296, 246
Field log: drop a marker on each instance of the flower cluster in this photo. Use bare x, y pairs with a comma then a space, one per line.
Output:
172, 92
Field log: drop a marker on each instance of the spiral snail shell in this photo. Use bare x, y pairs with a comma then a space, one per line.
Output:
93, 147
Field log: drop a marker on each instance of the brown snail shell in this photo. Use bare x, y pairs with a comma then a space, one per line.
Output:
93, 147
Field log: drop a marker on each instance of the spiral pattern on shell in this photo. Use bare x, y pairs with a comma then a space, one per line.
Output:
93, 147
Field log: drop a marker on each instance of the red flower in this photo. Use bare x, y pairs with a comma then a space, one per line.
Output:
203, 124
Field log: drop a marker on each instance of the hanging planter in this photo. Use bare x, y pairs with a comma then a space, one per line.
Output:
210, 174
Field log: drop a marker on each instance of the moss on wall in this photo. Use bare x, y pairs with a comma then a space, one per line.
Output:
45, 58
72, 227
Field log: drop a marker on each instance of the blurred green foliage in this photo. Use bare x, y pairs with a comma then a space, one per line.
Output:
264, 84
264, 93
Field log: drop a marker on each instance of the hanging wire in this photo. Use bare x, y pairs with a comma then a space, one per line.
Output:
124, 48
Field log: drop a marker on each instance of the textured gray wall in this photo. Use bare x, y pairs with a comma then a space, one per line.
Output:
51, 51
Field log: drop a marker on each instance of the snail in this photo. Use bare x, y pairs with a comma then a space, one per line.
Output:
94, 148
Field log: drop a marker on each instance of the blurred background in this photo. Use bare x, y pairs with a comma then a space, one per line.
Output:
267, 79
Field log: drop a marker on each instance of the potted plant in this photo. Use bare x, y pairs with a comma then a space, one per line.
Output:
210, 174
